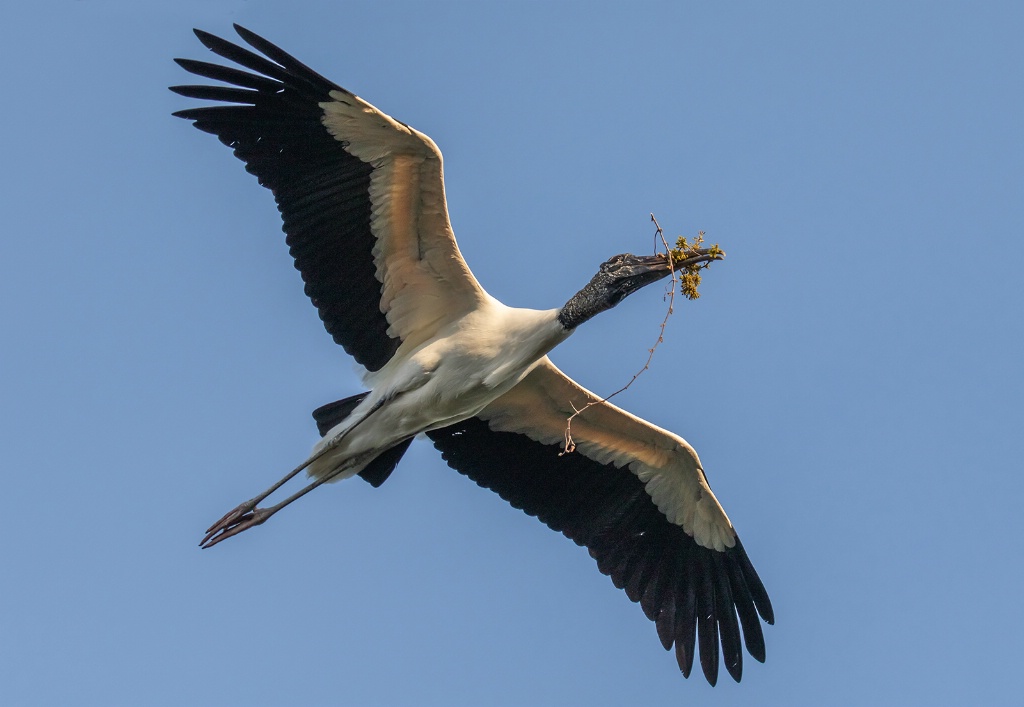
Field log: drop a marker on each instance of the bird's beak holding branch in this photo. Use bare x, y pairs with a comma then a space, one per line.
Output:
700, 255
641, 270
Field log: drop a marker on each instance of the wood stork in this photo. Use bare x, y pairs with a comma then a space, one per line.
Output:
363, 203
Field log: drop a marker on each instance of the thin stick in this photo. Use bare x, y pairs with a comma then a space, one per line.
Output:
570, 445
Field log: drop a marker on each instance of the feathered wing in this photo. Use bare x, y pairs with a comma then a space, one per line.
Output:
636, 496
361, 196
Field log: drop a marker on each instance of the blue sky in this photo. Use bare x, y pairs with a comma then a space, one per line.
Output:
851, 375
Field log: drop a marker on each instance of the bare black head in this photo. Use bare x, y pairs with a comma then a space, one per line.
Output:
620, 276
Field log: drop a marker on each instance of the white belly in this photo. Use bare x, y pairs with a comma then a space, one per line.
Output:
443, 382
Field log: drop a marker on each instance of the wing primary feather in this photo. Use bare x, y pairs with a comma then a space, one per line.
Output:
662, 601
289, 62
753, 637
235, 53
754, 585
218, 93
228, 74
686, 622
707, 619
231, 118
728, 627
666, 625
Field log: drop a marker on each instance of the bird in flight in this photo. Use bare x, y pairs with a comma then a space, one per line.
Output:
363, 203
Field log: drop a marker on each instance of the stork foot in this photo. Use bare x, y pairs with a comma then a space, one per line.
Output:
245, 516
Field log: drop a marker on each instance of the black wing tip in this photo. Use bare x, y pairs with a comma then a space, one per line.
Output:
666, 638
684, 658
734, 666
709, 661
208, 39
705, 603
762, 602
735, 670
185, 91
250, 37
710, 631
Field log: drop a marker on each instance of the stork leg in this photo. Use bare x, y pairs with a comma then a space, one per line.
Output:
246, 512
247, 515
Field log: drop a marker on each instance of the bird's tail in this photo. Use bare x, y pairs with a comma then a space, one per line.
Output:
377, 471
332, 414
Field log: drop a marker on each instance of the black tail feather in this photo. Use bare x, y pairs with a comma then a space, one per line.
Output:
329, 415
377, 471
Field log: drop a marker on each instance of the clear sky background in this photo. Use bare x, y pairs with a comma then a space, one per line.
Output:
851, 376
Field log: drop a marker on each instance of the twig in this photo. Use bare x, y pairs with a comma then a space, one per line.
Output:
570, 445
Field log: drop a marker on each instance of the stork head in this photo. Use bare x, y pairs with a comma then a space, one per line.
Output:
620, 276
624, 274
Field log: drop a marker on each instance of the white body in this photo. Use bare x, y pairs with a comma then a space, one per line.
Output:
451, 377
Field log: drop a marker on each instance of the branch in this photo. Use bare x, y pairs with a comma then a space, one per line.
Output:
570, 445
